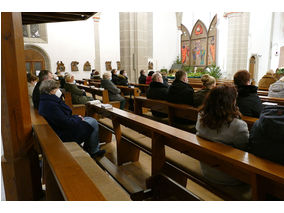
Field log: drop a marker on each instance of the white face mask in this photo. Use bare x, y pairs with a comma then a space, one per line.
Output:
74, 82
110, 78
56, 78
58, 93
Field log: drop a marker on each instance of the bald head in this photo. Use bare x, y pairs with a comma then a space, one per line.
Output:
106, 76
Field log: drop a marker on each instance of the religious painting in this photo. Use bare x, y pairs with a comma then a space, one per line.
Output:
87, 66
185, 45
212, 35
74, 66
118, 65
198, 47
108, 66
150, 65
60, 66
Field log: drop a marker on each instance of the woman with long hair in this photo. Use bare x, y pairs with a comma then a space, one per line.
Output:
219, 121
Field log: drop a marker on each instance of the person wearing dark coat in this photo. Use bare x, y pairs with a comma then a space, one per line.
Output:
43, 75
180, 92
157, 90
78, 96
248, 101
67, 126
113, 91
122, 78
267, 134
114, 77
208, 82
142, 78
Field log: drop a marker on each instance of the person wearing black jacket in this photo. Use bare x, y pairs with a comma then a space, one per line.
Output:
142, 78
180, 92
157, 90
248, 101
267, 134
43, 75
122, 78
114, 77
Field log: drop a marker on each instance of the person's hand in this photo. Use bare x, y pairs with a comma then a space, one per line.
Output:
81, 117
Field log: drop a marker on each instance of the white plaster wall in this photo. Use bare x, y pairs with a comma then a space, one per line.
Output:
71, 41
165, 40
109, 39
259, 40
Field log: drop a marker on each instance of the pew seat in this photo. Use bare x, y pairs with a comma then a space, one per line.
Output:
108, 187
184, 162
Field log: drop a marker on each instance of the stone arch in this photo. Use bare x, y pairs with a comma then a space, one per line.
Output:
42, 52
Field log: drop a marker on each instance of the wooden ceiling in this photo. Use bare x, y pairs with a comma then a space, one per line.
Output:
40, 18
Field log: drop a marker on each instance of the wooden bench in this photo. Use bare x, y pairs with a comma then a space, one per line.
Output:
77, 109
174, 110
81, 82
69, 172
279, 101
264, 177
100, 94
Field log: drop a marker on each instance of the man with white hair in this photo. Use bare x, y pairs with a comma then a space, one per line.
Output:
78, 95
157, 90
113, 91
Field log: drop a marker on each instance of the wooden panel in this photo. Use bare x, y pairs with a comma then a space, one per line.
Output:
16, 120
73, 182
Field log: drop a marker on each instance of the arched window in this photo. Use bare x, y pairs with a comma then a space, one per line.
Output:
212, 38
185, 46
198, 45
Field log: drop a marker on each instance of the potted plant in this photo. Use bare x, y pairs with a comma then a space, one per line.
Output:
214, 71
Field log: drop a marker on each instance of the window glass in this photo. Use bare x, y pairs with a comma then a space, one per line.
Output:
25, 31
28, 67
35, 31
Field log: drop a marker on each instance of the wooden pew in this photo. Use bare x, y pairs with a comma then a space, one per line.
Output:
262, 92
279, 101
81, 82
77, 109
174, 110
103, 93
69, 172
264, 177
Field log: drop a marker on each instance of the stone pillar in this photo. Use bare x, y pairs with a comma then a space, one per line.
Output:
237, 49
135, 42
96, 18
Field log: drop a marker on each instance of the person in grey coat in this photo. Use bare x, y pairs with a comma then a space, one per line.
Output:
219, 121
113, 91
277, 89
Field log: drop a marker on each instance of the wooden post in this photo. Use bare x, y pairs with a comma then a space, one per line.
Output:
20, 165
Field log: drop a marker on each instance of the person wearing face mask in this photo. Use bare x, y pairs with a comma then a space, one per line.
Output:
122, 78
114, 76
67, 126
43, 75
78, 95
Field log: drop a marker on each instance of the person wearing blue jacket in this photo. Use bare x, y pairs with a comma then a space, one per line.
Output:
68, 127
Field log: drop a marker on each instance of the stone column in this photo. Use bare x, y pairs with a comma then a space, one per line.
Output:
237, 49
135, 42
96, 18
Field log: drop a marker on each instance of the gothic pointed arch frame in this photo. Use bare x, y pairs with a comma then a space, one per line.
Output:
198, 42
211, 42
185, 46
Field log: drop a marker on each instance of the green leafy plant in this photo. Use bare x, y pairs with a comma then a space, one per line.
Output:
178, 60
214, 71
164, 71
195, 75
188, 69
280, 71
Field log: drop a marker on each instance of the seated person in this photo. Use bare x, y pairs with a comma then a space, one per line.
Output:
180, 92
32, 80
142, 78
149, 77
157, 90
67, 126
208, 82
60, 78
114, 77
122, 78
219, 121
113, 91
95, 75
78, 95
248, 101
266, 80
277, 89
267, 134
43, 75
165, 79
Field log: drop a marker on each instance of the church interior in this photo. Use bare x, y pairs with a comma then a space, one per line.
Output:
142, 106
